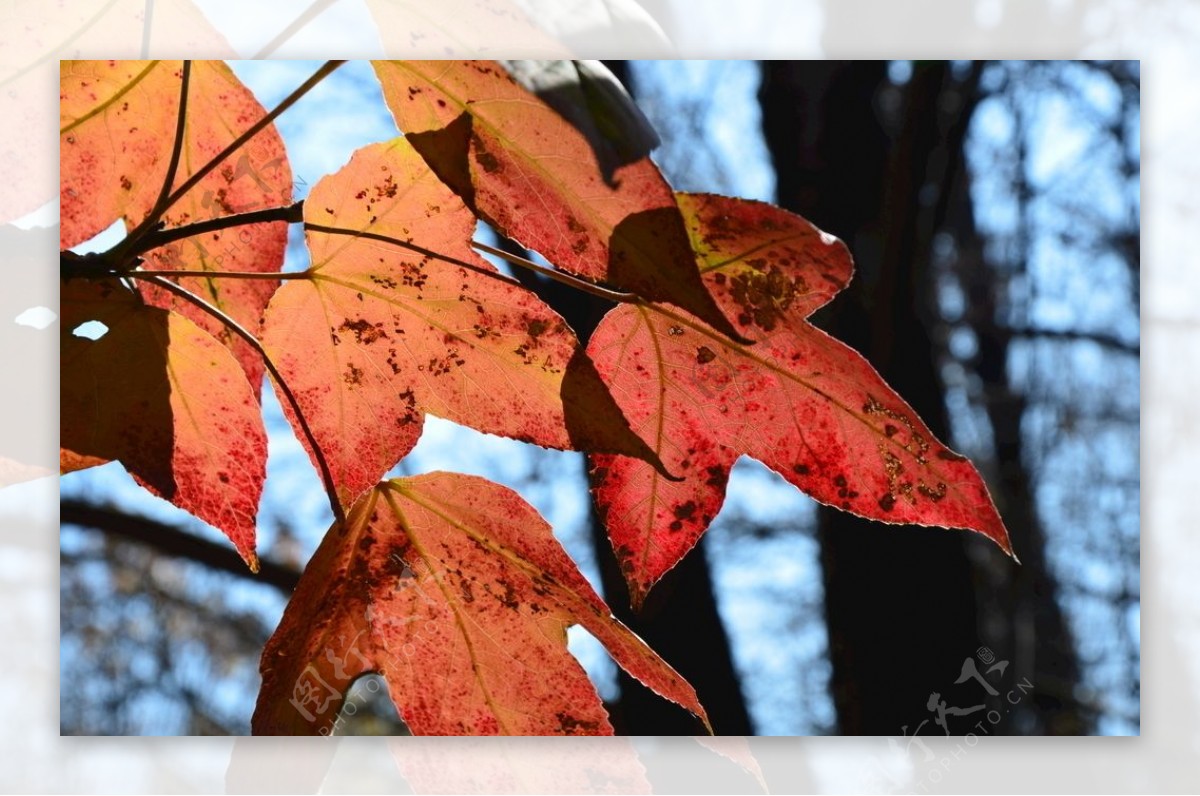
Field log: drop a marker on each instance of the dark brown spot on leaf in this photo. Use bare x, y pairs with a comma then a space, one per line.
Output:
488, 161
933, 493
685, 510
364, 331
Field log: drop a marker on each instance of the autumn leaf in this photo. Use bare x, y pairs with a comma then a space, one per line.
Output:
533, 176
31, 47
163, 397
118, 123
380, 333
589, 96
799, 401
455, 590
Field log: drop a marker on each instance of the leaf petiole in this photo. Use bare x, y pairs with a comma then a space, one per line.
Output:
335, 503
326, 69
557, 276
228, 274
122, 250
152, 221
292, 214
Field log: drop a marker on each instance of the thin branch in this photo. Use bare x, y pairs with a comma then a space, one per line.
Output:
307, 16
294, 213
172, 541
326, 474
153, 221
1111, 342
557, 276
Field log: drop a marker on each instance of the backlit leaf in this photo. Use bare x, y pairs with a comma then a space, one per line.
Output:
799, 401
35, 38
380, 334
533, 176
163, 397
590, 97
455, 590
118, 122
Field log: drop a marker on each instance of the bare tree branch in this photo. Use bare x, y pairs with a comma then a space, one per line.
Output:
172, 541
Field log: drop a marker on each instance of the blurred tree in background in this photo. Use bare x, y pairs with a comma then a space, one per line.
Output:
993, 212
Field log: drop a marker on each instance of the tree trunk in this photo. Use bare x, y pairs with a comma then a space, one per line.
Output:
1029, 619
899, 602
906, 607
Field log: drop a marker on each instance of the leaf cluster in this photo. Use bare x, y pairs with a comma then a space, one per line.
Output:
451, 586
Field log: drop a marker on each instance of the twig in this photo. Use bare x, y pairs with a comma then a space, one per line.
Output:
153, 221
404, 244
174, 541
122, 250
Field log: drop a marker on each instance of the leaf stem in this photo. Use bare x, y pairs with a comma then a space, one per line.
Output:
121, 251
404, 244
292, 213
559, 276
556, 275
230, 274
326, 69
160, 204
326, 474
233, 275
153, 222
